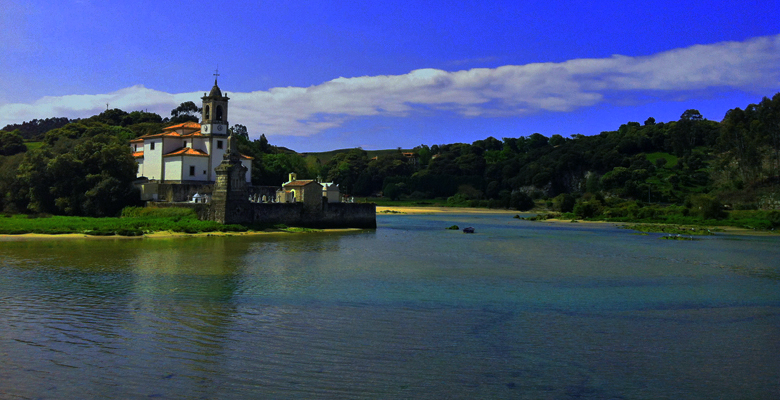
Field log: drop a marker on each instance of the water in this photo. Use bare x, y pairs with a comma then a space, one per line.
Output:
411, 310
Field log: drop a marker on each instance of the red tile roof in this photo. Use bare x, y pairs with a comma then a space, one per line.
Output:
184, 125
299, 183
187, 151
138, 154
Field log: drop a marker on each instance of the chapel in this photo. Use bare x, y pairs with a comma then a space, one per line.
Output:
188, 153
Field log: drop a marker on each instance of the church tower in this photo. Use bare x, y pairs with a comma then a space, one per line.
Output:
215, 112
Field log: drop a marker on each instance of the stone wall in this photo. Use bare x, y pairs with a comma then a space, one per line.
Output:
181, 191
259, 191
332, 215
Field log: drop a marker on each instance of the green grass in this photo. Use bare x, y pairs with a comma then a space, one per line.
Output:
33, 145
175, 221
671, 160
672, 229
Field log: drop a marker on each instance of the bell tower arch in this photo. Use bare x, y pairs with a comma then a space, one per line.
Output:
215, 111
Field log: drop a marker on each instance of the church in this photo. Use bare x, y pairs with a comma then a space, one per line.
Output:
188, 153
198, 166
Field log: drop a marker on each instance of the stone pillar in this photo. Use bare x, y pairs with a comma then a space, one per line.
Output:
230, 199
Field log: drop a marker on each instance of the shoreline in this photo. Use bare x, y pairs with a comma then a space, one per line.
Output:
399, 210
390, 210
724, 230
155, 235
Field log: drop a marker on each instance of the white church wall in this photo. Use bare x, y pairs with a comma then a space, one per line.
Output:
200, 144
153, 158
217, 154
140, 162
248, 165
173, 170
201, 165
171, 144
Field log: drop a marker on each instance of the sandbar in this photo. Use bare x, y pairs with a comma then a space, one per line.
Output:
440, 210
155, 235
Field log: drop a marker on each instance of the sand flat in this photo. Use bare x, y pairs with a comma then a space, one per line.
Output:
154, 235
440, 210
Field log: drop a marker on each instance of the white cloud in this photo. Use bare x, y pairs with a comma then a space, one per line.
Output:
511, 90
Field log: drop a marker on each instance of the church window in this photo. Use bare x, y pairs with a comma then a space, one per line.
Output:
219, 144
219, 113
192, 170
206, 112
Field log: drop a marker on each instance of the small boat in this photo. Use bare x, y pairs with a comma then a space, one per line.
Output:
468, 230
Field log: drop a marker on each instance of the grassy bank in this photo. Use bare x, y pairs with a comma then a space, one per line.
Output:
674, 223
133, 222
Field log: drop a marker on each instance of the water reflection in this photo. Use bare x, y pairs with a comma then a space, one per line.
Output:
410, 310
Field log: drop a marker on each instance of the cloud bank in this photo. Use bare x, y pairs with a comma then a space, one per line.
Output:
507, 91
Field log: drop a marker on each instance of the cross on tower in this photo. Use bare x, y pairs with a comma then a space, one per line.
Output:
216, 74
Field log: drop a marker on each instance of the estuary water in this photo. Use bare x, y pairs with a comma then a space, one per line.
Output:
411, 310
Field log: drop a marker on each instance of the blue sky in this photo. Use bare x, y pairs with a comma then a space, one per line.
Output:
316, 76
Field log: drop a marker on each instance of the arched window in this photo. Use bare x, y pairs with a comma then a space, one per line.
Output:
219, 113
206, 112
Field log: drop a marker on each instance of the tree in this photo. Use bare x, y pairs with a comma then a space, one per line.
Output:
557, 140
11, 143
91, 176
707, 207
240, 131
392, 191
691, 115
564, 202
521, 201
185, 112
37, 127
346, 169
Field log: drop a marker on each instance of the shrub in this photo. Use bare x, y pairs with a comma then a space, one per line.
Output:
774, 218
564, 202
158, 212
707, 207
521, 201
587, 209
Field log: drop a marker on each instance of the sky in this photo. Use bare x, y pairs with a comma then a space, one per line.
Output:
317, 76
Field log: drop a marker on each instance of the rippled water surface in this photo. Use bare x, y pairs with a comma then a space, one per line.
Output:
411, 310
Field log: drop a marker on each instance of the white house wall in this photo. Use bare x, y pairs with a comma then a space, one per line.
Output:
140, 162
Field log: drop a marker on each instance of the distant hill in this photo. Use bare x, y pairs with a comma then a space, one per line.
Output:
326, 156
35, 129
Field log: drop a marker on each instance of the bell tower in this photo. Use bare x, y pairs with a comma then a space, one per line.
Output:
215, 111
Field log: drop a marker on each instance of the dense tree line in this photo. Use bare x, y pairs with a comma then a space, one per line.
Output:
31, 130
669, 162
85, 167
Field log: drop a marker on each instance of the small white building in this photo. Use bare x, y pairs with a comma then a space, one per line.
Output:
188, 152
331, 192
